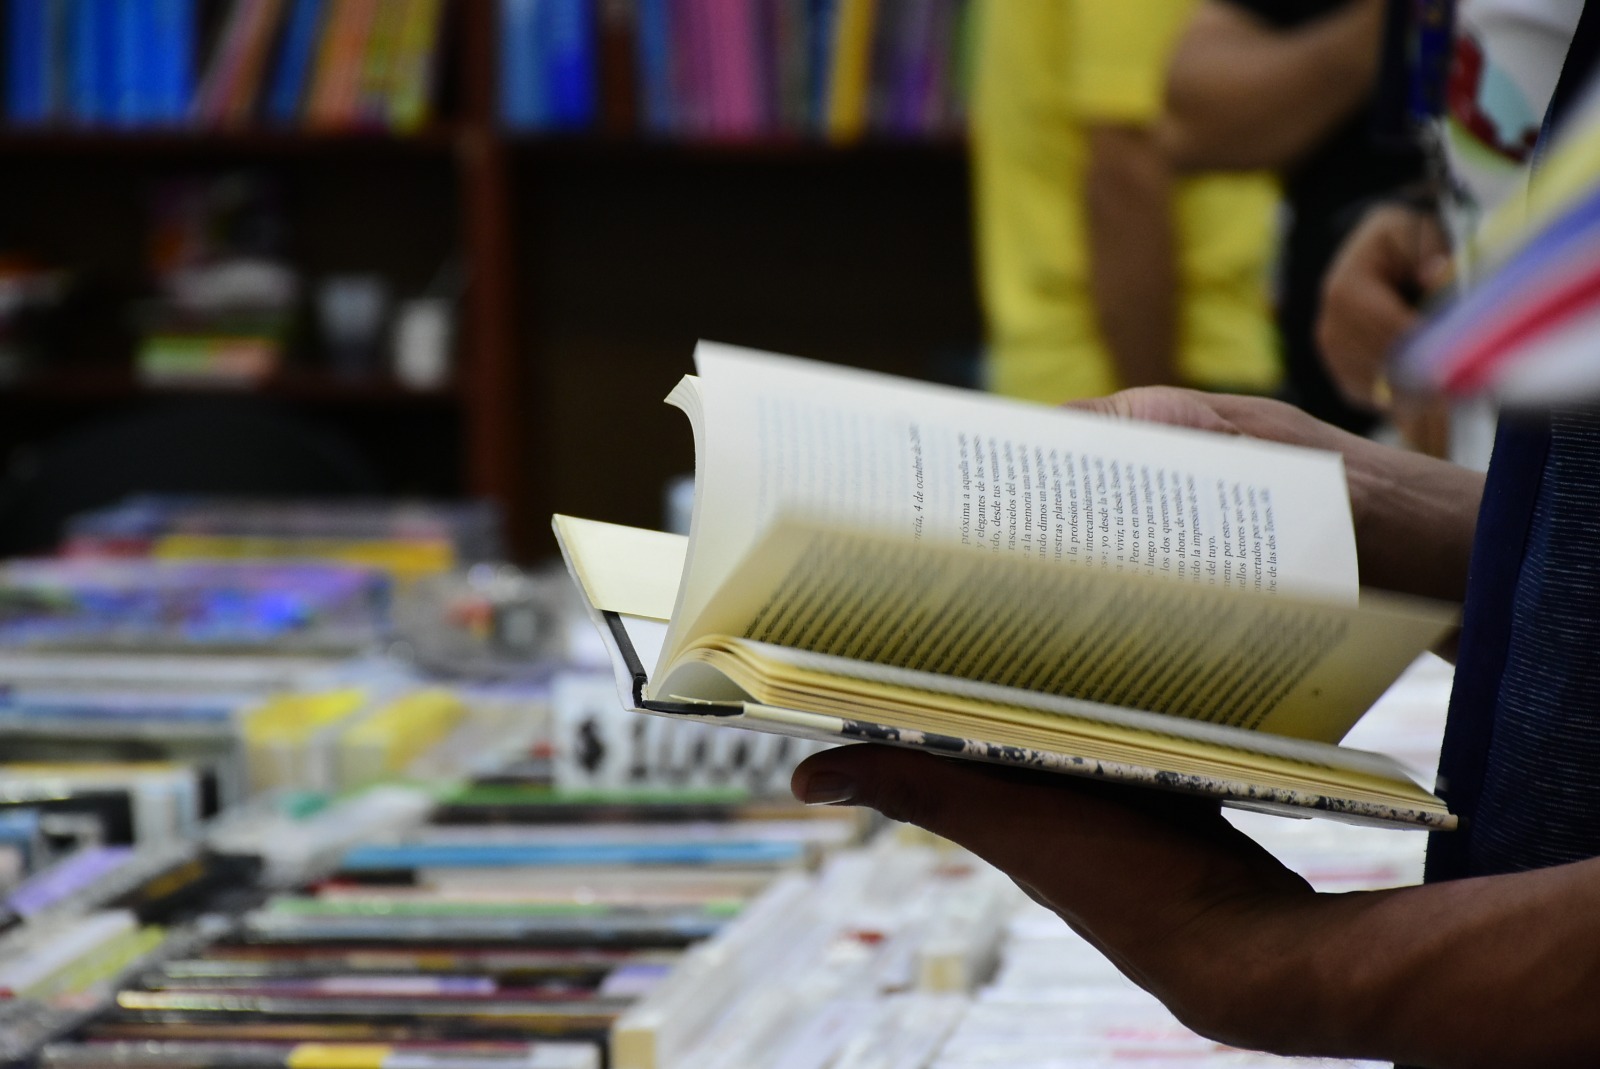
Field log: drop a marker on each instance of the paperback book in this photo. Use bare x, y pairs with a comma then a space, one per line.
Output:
879, 560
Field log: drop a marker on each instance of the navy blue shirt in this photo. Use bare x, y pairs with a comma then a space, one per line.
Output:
1521, 758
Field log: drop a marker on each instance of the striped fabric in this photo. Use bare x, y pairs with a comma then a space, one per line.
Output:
1532, 741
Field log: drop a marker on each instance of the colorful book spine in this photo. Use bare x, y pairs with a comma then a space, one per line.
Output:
173, 27
522, 103
287, 91
90, 43
377, 63
653, 48
131, 54
739, 56
570, 54
244, 102
416, 59
850, 74
28, 48
337, 82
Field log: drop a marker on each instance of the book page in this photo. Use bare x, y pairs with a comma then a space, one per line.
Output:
1215, 654
623, 569
776, 435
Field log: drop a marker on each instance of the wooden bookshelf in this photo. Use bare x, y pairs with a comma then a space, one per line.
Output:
592, 264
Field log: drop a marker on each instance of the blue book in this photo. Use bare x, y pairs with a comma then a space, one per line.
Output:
522, 97
287, 89
823, 16
129, 77
571, 52
657, 100
88, 26
173, 30
30, 48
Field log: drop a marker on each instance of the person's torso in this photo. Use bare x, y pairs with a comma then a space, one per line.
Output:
1030, 157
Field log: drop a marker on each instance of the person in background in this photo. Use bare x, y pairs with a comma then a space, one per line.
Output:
1504, 66
1099, 268
1288, 85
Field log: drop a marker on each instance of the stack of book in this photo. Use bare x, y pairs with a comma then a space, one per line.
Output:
135, 64
738, 69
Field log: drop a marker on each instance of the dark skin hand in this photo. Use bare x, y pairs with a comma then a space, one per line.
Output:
1497, 971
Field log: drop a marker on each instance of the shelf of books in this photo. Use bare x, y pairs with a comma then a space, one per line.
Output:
836, 71
344, 203
139, 65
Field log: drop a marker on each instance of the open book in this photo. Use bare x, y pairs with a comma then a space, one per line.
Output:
883, 560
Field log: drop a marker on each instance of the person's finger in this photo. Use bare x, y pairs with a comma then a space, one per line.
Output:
1040, 828
1169, 405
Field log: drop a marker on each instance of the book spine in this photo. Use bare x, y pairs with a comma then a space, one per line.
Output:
570, 64
323, 94
130, 78
742, 69
378, 65
520, 106
692, 68
58, 58
654, 50
411, 91
289, 81
83, 49
939, 75
223, 67
352, 48
173, 30
245, 95
618, 87
851, 71
960, 83
822, 17
884, 65
789, 22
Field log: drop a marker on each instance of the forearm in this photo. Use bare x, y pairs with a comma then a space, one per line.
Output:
1414, 516
1493, 971
1132, 253
1242, 94
1414, 519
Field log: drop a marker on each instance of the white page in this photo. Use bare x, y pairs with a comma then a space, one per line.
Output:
776, 435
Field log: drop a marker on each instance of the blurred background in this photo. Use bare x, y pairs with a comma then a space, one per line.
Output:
455, 248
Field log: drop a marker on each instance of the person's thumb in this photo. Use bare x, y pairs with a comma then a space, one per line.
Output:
959, 800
